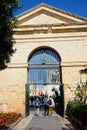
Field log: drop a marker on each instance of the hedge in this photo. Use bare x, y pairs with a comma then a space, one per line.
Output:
77, 110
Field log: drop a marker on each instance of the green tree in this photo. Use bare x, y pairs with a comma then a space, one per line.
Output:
7, 23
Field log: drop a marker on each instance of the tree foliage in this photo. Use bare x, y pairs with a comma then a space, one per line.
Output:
83, 71
7, 23
81, 91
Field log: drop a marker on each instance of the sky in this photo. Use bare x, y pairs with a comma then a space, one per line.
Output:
77, 7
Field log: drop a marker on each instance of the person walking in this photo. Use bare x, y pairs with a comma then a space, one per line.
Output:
51, 106
37, 105
45, 104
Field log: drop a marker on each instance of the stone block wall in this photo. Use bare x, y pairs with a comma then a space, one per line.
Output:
12, 89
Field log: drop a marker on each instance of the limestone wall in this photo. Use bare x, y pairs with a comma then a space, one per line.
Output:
12, 89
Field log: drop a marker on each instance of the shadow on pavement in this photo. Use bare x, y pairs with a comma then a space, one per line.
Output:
5, 128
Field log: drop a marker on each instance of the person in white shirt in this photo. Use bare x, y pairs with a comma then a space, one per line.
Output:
51, 106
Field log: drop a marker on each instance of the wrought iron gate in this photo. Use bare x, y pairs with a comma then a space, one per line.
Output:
44, 68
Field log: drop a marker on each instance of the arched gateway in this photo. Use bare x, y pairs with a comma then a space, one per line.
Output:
44, 69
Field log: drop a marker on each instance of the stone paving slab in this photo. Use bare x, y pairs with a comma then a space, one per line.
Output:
45, 123
23, 123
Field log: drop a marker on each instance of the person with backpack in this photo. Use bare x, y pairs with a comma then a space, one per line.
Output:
37, 105
47, 105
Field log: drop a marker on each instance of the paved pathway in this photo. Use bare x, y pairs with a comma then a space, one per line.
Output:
45, 123
33, 122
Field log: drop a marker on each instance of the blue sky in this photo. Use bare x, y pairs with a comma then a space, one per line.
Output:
78, 7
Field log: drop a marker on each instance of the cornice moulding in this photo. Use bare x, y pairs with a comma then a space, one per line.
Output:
51, 28
74, 64
63, 64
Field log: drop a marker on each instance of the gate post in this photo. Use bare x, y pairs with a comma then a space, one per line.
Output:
62, 99
27, 106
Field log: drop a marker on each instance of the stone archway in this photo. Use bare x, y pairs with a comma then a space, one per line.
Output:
44, 70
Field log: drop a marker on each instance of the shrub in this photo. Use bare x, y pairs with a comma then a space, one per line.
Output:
77, 110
